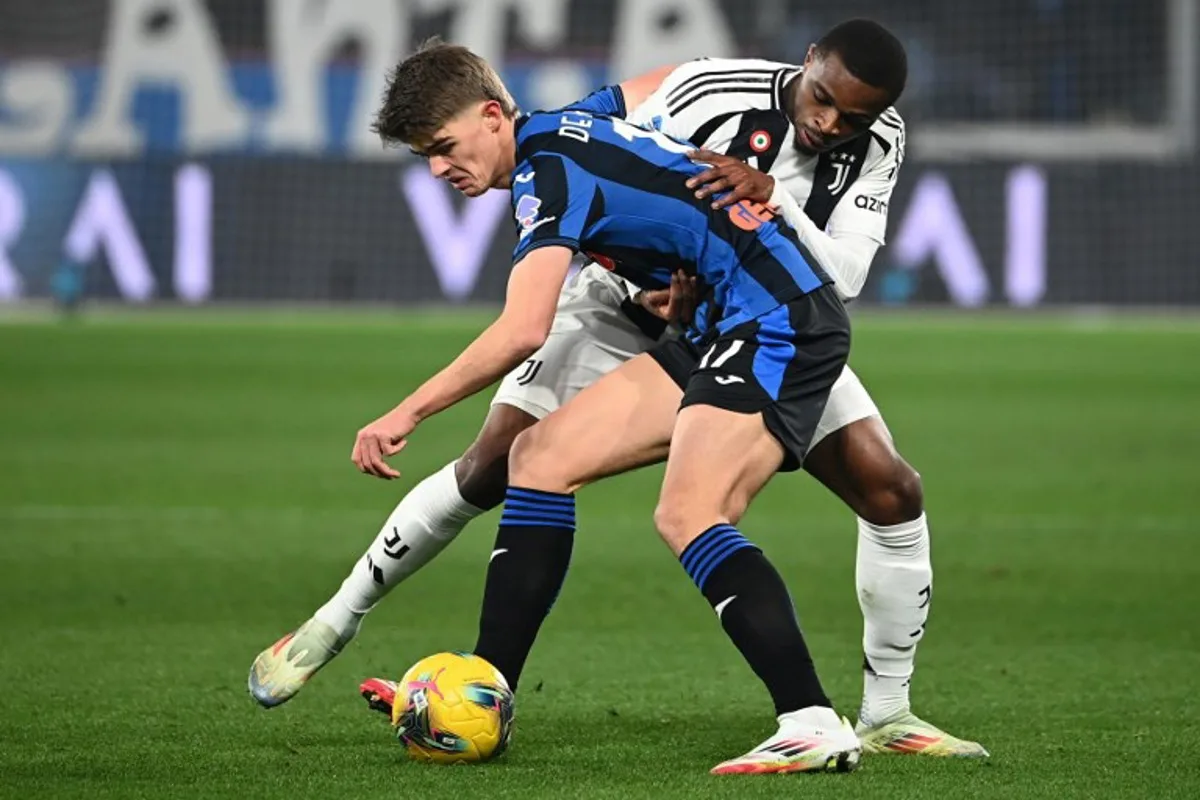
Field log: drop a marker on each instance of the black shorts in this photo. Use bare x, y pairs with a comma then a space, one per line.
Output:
782, 364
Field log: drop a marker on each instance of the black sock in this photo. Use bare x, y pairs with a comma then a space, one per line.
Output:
529, 563
756, 611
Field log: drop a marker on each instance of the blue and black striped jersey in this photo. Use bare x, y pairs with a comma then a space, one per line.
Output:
606, 187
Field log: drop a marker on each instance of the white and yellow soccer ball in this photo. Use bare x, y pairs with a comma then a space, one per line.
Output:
453, 708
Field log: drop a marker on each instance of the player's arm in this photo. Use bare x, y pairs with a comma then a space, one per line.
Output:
859, 220
636, 90
620, 100
845, 254
674, 304
521, 328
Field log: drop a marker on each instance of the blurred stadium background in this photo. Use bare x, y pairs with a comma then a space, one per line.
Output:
158, 150
259, 278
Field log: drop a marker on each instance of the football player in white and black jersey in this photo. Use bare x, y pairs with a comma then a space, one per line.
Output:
810, 140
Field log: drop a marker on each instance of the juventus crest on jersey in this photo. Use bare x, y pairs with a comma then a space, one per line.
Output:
734, 106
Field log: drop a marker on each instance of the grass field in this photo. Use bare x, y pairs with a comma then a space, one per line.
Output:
175, 493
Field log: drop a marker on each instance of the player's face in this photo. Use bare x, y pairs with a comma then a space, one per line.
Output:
467, 151
830, 106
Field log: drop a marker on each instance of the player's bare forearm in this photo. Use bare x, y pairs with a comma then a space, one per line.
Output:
492, 355
522, 328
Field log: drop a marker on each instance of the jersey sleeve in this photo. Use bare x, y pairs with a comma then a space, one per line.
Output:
729, 85
551, 197
863, 209
607, 101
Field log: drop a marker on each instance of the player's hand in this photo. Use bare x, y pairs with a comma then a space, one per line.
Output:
729, 174
656, 301
675, 304
681, 305
380, 440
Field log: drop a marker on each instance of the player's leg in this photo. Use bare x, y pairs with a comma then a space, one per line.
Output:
428, 518
591, 336
855, 457
719, 461
421, 525
621, 422
751, 406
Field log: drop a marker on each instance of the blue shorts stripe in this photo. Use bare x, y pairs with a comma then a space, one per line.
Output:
776, 350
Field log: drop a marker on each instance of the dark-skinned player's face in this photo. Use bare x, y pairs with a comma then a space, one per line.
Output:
829, 105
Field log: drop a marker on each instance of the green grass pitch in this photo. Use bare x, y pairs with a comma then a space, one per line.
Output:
176, 493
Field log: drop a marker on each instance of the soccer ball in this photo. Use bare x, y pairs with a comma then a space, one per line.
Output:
453, 708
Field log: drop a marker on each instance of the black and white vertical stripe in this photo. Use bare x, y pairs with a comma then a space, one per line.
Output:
779, 81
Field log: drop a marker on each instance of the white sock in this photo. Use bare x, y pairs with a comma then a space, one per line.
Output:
425, 521
895, 583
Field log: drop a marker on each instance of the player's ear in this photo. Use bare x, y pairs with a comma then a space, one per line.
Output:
811, 55
493, 115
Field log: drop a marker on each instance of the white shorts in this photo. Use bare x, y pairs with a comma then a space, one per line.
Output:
848, 402
592, 336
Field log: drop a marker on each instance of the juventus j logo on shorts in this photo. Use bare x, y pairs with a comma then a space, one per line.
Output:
526, 376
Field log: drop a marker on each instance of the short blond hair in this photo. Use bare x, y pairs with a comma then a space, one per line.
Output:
431, 87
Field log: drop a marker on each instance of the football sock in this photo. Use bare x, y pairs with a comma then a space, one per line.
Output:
756, 612
525, 574
894, 577
425, 521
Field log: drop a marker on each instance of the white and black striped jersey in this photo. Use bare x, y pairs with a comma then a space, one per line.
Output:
734, 106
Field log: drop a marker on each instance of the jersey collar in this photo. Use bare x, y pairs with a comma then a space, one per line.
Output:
781, 80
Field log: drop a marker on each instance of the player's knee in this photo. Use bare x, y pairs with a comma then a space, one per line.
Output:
896, 495
535, 462
671, 522
679, 522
